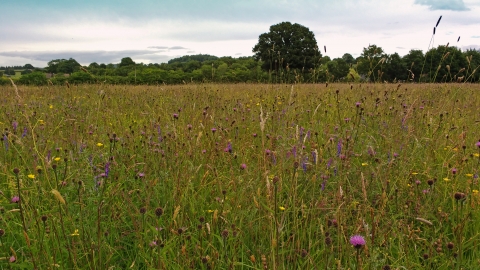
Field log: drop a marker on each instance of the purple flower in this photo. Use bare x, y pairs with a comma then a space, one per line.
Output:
175, 116
357, 241
243, 166
15, 125
24, 132
153, 244
107, 169
229, 147
141, 174
454, 170
478, 144
213, 130
339, 148
358, 104
15, 199
12, 259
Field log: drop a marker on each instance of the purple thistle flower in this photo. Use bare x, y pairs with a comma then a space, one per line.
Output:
159, 132
454, 170
314, 157
478, 144
141, 174
12, 259
243, 166
107, 169
358, 104
339, 148
294, 151
329, 163
213, 130
5, 142
175, 116
357, 241
304, 165
24, 132
15, 125
15, 199
229, 147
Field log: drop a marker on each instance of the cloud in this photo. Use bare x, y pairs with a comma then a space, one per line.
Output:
87, 57
158, 47
177, 48
454, 5
475, 36
471, 47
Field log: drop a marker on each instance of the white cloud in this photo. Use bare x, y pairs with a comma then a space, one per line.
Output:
455, 5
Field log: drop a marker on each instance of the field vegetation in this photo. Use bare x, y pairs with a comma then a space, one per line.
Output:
240, 176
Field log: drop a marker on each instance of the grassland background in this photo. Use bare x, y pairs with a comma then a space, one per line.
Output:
244, 176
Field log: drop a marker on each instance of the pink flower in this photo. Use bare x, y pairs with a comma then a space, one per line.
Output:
15, 199
12, 259
243, 166
357, 241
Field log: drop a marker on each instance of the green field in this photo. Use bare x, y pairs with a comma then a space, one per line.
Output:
240, 176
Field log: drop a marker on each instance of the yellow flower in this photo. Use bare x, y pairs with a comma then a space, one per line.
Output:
210, 211
281, 208
476, 155
75, 233
446, 179
469, 175
57, 159
414, 173
51, 106
279, 103
475, 191
364, 164
31, 176
99, 144
41, 122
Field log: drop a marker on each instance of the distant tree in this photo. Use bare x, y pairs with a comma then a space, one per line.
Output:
287, 44
28, 66
35, 78
414, 61
395, 68
445, 64
10, 71
93, 65
370, 62
102, 66
63, 66
197, 57
348, 58
1, 74
338, 68
26, 71
472, 72
127, 61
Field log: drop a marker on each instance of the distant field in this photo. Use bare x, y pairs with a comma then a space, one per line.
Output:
244, 176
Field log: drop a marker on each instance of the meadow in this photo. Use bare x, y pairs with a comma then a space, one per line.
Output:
240, 176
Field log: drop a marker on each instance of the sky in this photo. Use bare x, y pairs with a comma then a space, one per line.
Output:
105, 31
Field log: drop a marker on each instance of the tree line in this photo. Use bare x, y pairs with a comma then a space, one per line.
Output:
288, 53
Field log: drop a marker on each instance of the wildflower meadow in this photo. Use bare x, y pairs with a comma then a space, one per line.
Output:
240, 176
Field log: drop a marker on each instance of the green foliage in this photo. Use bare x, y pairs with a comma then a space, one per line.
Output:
198, 57
28, 66
10, 71
63, 66
35, 78
26, 71
285, 46
125, 62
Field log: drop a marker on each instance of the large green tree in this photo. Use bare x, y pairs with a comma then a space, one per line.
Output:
287, 44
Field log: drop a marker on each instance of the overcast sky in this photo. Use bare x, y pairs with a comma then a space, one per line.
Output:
105, 31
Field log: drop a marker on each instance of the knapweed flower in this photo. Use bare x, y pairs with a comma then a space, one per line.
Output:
15, 199
213, 130
478, 144
454, 170
12, 259
243, 166
357, 241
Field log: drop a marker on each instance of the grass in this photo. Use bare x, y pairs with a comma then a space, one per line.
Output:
240, 176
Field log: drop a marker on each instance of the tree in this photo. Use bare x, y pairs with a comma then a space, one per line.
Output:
28, 66
287, 44
26, 71
338, 68
348, 58
63, 66
414, 61
370, 62
125, 62
395, 68
35, 78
